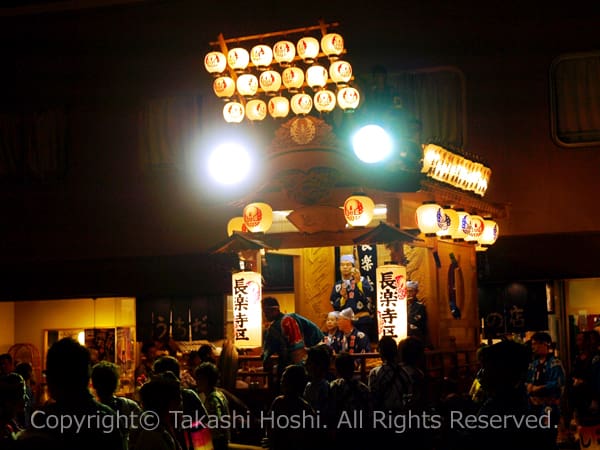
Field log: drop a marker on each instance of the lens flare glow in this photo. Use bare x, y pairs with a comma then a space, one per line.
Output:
372, 144
229, 163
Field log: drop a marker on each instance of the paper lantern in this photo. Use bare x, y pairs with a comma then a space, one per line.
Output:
316, 76
224, 87
247, 84
301, 104
256, 110
261, 56
449, 223
270, 82
358, 210
258, 217
428, 217
233, 112
324, 100
238, 59
308, 49
490, 233
392, 311
475, 228
247, 309
293, 78
215, 63
464, 224
332, 45
278, 107
236, 224
348, 98
340, 72
284, 52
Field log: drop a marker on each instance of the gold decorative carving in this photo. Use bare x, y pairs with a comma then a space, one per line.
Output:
312, 219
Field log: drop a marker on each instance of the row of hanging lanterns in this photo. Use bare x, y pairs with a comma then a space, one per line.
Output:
257, 217
456, 224
253, 83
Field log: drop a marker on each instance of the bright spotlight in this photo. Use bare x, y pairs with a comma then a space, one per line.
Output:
372, 144
229, 163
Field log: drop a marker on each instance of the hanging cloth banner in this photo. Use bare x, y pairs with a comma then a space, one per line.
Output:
367, 262
247, 310
391, 301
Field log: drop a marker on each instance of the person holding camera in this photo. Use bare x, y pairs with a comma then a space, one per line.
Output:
354, 291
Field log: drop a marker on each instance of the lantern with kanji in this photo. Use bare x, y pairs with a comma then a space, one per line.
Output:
258, 217
359, 210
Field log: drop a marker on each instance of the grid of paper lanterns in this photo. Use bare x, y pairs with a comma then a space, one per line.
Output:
283, 77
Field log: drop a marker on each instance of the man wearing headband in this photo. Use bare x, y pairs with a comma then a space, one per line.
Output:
417, 313
354, 291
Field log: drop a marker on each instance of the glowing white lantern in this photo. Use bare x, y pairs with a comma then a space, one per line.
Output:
236, 224
233, 112
475, 228
238, 59
270, 81
392, 310
340, 72
358, 210
247, 309
428, 217
316, 76
293, 78
490, 233
332, 45
256, 110
279, 107
464, 225
301, 104
247, 84
224, 87
215, 63
258, 217
448, 224
308, 49
348, 98
261, 56
324, 100
284, 52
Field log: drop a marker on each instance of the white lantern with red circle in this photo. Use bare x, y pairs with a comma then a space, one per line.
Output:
261, 56
490, 233
316, 76
215, 63
348, 98
224, 87
270, 81
238, 59
236, 224
301, 104
247, 85
256, 110
475, 229
308, 49
284, 52
332, 45
279, 107
428, 217
233, 112
293, 78
359, 210
258, 217
324, 100
340, 72
464, 225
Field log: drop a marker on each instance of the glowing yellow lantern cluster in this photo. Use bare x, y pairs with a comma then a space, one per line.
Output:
243, 76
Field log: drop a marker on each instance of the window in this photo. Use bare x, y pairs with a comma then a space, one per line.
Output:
575, 99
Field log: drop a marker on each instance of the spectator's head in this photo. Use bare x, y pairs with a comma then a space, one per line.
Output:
105, 379
331, 324
166, 364
346, 265
346, 320
206, 353
412, 288
270, 307
541, 343
162, 394
344, 365
293, 380
411, 351
149, 349
6, 364
388, 349
504, 366
207, 376
24, 369
318, 360
67, 369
